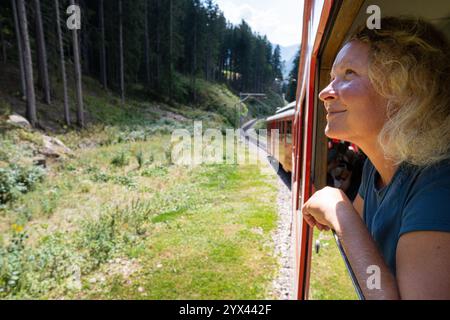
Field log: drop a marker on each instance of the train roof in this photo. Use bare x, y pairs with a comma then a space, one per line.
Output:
286, 111
287, 107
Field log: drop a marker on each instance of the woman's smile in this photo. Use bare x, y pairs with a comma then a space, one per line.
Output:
333, 114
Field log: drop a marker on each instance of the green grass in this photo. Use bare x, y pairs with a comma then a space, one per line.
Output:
187, 232
329, 277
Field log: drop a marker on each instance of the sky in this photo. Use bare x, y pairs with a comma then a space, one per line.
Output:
280, 20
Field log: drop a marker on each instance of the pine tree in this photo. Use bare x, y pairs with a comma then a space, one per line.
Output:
146, 44
293, 74
62, 64
121, 62
3, 42
102, 46
78, 76
44, 80
28, 64
20, 53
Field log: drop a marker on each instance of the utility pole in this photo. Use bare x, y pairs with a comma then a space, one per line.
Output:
243, 97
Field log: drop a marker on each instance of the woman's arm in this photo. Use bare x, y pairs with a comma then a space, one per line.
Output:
362, 252
358, 204
423, 265
331, 207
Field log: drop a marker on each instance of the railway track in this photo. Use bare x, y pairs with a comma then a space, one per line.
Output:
252, 136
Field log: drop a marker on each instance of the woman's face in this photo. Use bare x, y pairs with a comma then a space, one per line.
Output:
355, 112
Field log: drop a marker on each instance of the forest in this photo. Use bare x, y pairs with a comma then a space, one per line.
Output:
153, 45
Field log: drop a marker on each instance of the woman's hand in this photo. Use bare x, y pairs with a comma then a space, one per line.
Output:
323, 208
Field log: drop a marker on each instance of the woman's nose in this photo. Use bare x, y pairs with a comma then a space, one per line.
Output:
328, 93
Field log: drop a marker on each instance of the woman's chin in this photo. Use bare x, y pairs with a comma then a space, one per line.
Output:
334, 133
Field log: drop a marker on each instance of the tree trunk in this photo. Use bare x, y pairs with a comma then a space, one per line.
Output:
122, 77
158, 46
84, 40
28, 64
3, 43
102, 47
78, 76
170, 48
147, 46
42, 54
19, 49
194, 65
62, 65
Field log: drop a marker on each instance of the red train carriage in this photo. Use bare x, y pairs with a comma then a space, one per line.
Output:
326, 24
281, 121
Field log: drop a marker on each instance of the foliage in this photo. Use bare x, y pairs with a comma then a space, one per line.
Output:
120, 160
292, 86
12, 262
15, 180
157, 171
140, 158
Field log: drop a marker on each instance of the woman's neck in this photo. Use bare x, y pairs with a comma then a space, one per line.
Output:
386, 168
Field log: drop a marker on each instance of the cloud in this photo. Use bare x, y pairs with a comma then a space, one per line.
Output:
271, 21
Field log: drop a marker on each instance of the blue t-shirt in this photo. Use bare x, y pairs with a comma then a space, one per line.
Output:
416, 199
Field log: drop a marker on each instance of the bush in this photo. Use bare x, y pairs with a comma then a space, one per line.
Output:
12, 262
120, 160
15, 180
99, 237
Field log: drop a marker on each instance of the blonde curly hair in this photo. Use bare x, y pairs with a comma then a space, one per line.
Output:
410, 66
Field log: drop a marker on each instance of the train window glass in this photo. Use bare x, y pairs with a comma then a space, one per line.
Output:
289, 132
285, 130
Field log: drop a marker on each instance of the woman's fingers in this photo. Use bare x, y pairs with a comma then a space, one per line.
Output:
313, 223
310, 220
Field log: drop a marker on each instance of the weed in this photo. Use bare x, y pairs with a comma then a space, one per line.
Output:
140, 158
120, 160
15, 180
158, 171
12, 262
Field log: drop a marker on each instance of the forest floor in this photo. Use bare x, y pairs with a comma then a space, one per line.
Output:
157, 231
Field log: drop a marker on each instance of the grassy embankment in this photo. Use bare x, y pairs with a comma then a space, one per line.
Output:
118, 220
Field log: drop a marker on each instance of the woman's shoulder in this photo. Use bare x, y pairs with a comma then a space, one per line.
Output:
428, 199
436, 175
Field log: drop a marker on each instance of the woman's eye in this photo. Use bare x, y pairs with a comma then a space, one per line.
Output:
349, 72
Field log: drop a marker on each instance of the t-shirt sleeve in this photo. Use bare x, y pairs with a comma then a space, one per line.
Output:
364, 179
428, 209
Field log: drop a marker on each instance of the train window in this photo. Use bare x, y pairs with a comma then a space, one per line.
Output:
338, 163
344, 167
342, 158
289, 132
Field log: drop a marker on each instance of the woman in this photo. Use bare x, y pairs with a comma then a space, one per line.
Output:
390, 95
